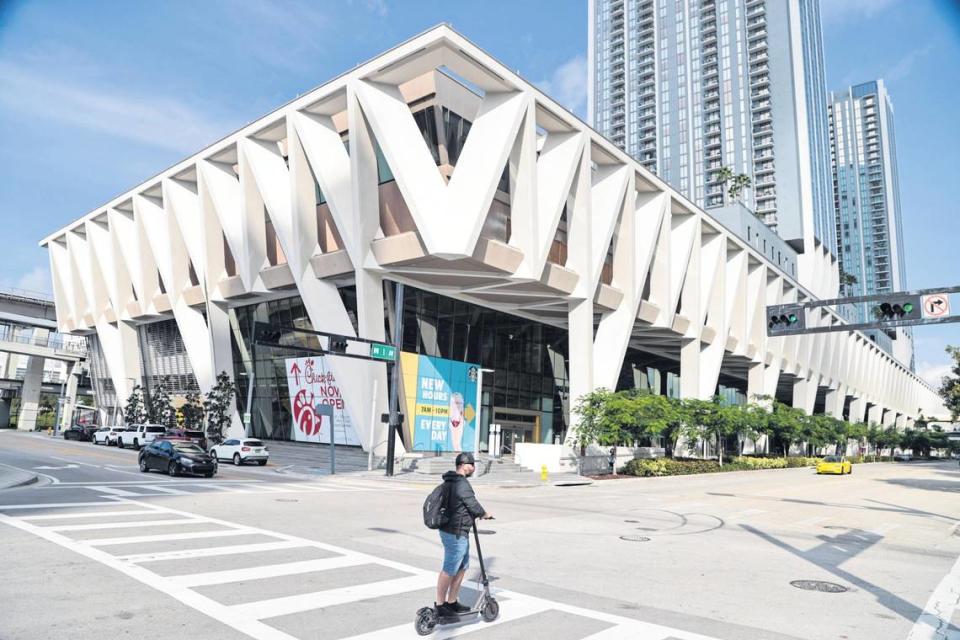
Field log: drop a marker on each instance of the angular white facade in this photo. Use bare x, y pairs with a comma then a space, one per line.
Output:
593, 243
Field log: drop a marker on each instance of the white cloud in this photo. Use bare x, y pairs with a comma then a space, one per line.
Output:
903, 67
378, 7
568, 84
155, 120
933, 373
838, 11
37, 279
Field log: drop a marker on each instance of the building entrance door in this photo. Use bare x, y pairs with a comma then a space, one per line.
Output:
516, 426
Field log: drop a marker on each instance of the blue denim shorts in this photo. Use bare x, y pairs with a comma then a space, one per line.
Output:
456, 553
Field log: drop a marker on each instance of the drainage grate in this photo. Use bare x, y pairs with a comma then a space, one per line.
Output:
633, 521
286, 500
819, 585
635, 538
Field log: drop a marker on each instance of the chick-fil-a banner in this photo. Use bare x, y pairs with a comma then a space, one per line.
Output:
310, 383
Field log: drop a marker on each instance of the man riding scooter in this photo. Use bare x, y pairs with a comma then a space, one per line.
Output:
463, 508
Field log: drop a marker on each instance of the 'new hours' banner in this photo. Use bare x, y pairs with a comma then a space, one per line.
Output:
440, 398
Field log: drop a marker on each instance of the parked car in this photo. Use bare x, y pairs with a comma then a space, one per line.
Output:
138, 435
241, 450
834, 464
107, 435
177, 458
80, 432
903, 456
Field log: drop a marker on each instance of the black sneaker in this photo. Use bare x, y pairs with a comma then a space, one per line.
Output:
444, 610
457, 607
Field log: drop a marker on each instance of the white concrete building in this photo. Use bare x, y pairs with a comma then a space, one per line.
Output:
528, 243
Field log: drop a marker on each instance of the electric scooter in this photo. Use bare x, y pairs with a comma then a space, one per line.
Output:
486, 605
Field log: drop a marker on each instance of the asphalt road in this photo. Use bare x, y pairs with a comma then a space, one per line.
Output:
98, 550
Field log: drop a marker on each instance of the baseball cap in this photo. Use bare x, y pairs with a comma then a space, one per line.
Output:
465, 458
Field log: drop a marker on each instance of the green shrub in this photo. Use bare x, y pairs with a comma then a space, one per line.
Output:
680, 467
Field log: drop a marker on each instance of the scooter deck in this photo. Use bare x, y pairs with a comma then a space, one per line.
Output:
460, 617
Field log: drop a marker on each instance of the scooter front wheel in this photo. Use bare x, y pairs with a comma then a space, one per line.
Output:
490, 611
426, 621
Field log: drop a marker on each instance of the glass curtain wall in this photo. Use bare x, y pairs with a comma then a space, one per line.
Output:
529, 359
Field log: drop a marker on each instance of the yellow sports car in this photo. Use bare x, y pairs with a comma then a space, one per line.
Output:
834, 464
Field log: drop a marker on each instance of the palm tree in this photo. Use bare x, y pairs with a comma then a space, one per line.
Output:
739, 182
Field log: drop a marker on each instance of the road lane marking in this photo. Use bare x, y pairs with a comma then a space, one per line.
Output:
176, 492
266, 571
253, 628
249, 618
934, 622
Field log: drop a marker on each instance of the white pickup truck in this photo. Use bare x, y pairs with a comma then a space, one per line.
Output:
137, 435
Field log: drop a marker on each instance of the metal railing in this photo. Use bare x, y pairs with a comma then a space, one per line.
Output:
52, 340
26, 294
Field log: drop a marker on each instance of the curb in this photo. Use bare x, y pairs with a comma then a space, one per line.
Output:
19, 479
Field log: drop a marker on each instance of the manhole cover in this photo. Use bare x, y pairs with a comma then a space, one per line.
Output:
635, 538
486, 532
632, 521
286, 500
819, 585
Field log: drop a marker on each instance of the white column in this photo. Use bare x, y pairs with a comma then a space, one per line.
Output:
70, 395
875, 414
581, 356
30, 395
858, 410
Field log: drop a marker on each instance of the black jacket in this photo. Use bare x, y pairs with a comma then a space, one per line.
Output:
462, 504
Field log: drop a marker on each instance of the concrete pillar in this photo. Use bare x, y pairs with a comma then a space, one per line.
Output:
835, 402
901, 421
581, 356
858, 410
690, 370
4, 413
875, 414
910, 422
805, 394
70, 395
889, 418
30, 395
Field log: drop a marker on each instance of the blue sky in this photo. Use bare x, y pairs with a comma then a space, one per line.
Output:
95, 97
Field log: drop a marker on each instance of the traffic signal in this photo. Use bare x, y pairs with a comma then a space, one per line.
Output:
337, 344
897, 308
785, 318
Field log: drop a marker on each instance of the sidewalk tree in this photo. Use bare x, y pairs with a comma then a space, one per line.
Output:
160, 408
786, 425
134, 409
950, 385
192, 411
218, 405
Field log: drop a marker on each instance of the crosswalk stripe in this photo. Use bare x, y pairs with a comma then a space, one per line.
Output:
175, 492
113, 491
206, 552
107, 542
266, 571
58, 505
123, 525
274, 607
90, 514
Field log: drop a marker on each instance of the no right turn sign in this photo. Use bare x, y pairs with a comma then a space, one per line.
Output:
936, 305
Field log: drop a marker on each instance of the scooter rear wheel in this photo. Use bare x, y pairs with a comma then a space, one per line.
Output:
426, 621
490, 611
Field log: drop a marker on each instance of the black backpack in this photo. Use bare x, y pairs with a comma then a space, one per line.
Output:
436, 511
